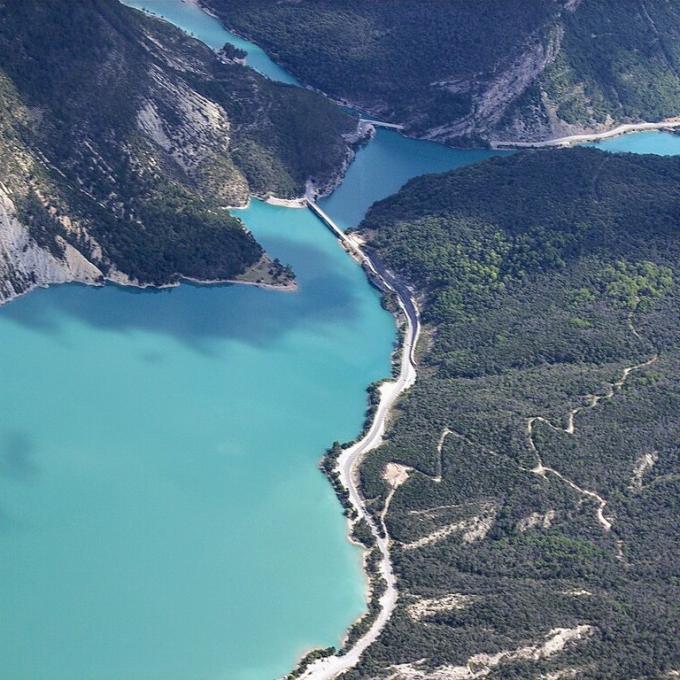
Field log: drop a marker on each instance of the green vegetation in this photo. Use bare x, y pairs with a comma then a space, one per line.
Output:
384, 57
542, 276
233, 53
635, 285
124, 138
308, 659
465, 71
617, 65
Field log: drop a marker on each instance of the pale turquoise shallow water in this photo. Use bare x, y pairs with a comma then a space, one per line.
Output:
161, 515
654, 142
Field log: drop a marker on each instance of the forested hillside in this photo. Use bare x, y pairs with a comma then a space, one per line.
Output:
121, 139
534, 522
462, 72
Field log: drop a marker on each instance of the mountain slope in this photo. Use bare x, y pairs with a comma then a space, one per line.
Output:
534, 520
463, 72
121, 138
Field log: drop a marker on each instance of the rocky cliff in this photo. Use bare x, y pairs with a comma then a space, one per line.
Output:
121, 140
469, 73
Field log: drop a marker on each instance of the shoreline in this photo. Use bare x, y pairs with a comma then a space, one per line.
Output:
291, 287
318, 664
568, 140
294, 203
623, 129
107, 281
347, 464
345, 470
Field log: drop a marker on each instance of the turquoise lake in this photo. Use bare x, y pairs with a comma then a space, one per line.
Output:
191, 18
161, 512
158, 453
384, 165
654, 142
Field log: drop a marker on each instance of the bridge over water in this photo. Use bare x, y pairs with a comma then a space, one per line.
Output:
382, 124
384, 278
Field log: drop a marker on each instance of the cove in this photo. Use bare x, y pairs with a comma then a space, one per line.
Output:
653, 142
381, 167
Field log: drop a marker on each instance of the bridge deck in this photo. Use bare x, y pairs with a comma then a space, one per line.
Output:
383, 124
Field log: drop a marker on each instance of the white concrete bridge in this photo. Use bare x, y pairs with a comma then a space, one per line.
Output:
382, 124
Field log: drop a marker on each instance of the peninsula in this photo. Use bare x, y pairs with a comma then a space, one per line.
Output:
122, 139
527, 482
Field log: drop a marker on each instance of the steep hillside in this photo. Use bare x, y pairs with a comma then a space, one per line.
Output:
121, 139
464, 72
534, 514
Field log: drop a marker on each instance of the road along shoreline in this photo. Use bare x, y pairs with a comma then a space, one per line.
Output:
346, 465
626, 128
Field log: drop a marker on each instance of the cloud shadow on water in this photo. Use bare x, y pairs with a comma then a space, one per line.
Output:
196, 315
17, 451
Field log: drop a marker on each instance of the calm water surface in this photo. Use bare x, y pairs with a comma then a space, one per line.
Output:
384, 165
655, 142
161, 514
196, 22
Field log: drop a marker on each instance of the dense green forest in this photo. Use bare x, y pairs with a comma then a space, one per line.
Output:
463, 71
542, 433
123, 138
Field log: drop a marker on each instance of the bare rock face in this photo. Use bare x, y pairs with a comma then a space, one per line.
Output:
25, 265
493, 97
196, 135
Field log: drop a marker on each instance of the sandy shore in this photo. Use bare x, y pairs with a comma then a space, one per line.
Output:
287, 202
626, 128
272, 200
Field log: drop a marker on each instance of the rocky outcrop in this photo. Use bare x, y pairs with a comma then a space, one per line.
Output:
493, 96
195, 132
482, 664
121, 145
25, 265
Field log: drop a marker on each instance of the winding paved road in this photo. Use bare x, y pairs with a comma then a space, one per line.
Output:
330, 667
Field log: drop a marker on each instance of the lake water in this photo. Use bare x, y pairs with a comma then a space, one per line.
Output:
653, 141
161, 513
195, 21
384, 165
